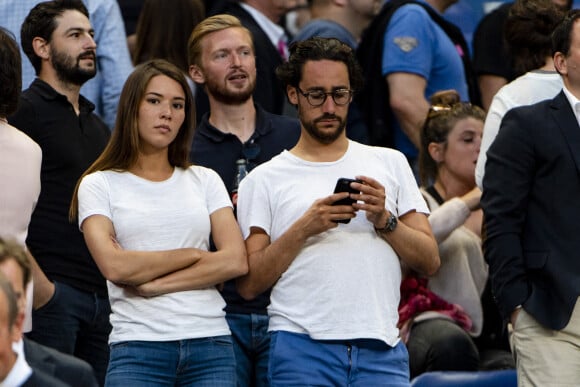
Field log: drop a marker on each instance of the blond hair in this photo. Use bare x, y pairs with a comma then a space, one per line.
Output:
206, 27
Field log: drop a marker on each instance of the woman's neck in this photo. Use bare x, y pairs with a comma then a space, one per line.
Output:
155, 167
449, 187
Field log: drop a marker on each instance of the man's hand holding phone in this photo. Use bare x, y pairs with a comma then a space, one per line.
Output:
343, 184
371, 199
328, 212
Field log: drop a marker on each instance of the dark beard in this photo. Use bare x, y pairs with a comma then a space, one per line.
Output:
68, 71
324, 138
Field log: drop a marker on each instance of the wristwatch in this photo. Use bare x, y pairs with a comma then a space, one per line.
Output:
390, 226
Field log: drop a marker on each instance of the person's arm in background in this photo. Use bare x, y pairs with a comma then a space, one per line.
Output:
453, 214
491, 60
43, 287
489, 85
407, 61
113, 59
407, 98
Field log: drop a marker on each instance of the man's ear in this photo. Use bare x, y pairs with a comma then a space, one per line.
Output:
560, 63
436, 151
16, 331
41, 48
292, 94
196, 74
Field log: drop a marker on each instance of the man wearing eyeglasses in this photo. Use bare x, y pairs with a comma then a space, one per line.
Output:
334, 269
222, 60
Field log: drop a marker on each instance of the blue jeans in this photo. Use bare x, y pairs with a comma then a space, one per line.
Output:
297, 360
251, 347
204, 362
77, 323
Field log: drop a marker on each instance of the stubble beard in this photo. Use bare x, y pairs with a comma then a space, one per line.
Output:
227, 97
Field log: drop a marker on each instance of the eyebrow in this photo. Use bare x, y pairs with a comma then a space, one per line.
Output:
470, 131
320, 88
78, 29
161, 95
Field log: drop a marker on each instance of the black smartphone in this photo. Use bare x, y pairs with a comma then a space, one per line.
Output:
343, 185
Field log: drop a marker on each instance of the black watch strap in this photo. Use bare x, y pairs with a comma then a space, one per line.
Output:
391, 224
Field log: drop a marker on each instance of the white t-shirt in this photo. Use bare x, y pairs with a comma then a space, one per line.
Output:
150, 216
532, 87
344, 283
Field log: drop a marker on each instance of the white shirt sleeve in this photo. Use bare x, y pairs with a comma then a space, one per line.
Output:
93, 197
493, 119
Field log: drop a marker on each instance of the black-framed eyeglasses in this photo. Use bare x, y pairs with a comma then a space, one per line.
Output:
316, 98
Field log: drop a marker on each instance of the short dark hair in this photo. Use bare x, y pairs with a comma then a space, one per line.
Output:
315, 49
41, 23
10, 73
527, 31
562, 35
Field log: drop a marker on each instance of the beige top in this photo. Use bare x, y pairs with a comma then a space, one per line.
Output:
463, 272
20, 160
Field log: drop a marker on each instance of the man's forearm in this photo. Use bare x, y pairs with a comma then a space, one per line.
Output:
414, 243
43, 287
267, 265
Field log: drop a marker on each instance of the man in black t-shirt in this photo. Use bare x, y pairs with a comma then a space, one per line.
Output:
72, 310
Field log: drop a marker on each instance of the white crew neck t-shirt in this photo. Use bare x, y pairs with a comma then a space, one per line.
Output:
150, 216
344, 283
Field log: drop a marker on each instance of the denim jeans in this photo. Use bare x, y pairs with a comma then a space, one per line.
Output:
204, 362
77, 323
251, 347
297, 360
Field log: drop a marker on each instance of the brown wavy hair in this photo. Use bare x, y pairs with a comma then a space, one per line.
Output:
528, 30
446, 110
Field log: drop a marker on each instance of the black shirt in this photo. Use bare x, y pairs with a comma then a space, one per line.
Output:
69, 144
491, 55
219, 151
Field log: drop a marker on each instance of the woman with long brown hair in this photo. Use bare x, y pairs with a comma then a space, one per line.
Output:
441, 314
147, 215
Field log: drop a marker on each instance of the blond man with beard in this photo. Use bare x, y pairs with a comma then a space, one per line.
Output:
222, 59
